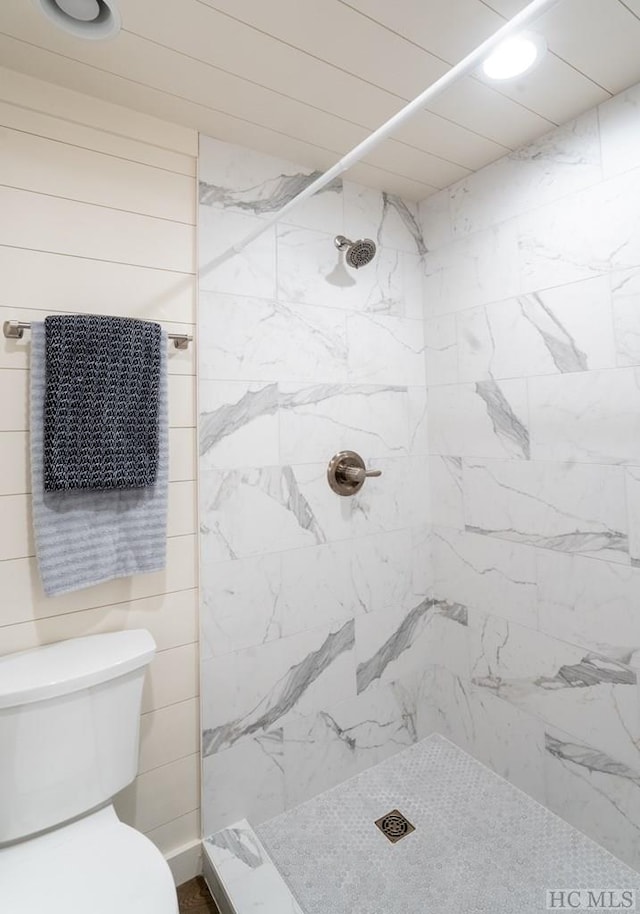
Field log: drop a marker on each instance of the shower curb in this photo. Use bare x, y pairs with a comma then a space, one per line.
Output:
241, 875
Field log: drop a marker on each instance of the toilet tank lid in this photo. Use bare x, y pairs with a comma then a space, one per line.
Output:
69, 666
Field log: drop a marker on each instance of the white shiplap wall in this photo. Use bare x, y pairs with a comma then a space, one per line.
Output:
97, 214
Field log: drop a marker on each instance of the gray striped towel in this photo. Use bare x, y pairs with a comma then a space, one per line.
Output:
86, 536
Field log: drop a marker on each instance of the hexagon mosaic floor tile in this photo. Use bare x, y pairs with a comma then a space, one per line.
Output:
480, 845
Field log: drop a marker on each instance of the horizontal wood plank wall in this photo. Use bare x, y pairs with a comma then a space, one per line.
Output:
97, 214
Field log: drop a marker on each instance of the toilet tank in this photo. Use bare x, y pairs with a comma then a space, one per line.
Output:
69, 728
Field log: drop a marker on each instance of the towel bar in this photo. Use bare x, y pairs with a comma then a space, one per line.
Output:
14, 330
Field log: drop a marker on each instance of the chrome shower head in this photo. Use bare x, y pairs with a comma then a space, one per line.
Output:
357, 253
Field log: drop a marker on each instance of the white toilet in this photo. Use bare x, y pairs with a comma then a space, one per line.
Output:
69, 733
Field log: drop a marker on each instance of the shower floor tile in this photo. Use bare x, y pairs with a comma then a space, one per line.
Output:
480, 845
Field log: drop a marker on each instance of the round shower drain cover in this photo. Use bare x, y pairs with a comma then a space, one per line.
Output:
394, 825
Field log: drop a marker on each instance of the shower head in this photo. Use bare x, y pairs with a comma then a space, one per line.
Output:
357, 253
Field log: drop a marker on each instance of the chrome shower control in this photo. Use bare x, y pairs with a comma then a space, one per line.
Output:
346, 473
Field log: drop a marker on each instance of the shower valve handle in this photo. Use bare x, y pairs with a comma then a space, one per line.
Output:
357, 473
347, 473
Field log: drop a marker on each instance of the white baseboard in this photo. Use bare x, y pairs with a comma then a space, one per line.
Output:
186, 862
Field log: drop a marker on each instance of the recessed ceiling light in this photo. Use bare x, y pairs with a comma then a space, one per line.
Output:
92, 19
514, 56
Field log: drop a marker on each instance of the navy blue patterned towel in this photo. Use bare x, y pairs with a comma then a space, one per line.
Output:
101, 402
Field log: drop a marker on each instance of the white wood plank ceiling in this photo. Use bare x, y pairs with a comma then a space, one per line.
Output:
308, 79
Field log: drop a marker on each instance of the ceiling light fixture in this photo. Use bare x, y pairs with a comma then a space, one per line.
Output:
93, 19
514, 56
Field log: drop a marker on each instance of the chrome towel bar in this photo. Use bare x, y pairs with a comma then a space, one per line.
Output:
14, 330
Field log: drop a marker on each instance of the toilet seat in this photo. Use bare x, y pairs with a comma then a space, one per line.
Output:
96, 864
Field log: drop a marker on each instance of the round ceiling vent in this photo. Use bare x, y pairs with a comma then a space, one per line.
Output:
92, 19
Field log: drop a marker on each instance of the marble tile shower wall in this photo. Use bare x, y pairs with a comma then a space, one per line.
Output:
315, 619
532, 329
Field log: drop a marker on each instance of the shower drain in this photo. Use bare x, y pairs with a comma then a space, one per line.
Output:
394, 825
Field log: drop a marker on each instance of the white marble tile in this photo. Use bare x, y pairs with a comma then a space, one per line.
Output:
590, 417
595, 793
488, 574
473, 270
253, 511
387, 570
282, 594
625, 302
385, 350
509, 741
249, 602
317, 422
485, 419
385, 218
620, 132
591, 603
240, 603
316, 588
435, 220
383, 288
592, 697
592, 232
443, 705
564, 506
234, 851
250, 272
249, 878
238, 424
287, 564
632, 480
393, 645
441, 350
252, 601
236, 179
556, 331
418, 420
252, 692
264, 892
312, 271
445, 482
385, 503
327, 748
506, 739
242, 338
564, 160
421, 559
246, 780
413, 273
335, 517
